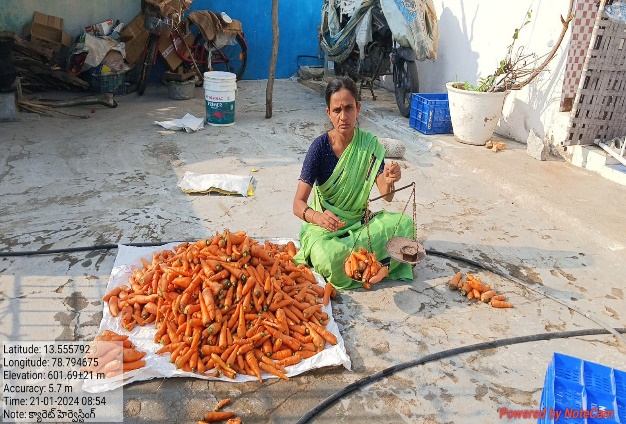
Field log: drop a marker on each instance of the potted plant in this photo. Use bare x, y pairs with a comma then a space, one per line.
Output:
476, 109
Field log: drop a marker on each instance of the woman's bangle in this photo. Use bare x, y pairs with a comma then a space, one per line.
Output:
304, 213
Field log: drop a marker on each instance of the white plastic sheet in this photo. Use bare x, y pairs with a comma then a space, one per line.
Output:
189, 123
220, 183
158, 366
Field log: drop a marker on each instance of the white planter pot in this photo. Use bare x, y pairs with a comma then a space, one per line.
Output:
474, 114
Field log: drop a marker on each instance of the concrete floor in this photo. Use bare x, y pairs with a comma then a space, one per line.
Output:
112, 178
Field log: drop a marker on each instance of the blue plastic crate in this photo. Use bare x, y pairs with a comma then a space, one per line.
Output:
568, 367
430, 113
598, 378
583, 392
620, 384
621, 408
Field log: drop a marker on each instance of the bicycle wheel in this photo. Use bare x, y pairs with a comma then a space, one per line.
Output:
146, 63
231, 57
406, 84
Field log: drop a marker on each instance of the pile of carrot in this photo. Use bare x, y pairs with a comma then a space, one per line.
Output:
362, 266
216, 415
473, 288
228, 305
113, 354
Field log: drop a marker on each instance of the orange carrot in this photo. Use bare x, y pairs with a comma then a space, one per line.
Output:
282, 354
129, 366
382, 273
500, 304
215, 416
114, 292
292, 360
486, 296
131, 355
272, 370
499, 297
328, 289
253, 364
330, 337
222, 403
114, 307
476, 293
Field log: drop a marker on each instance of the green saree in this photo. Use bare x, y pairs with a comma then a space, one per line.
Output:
345, 194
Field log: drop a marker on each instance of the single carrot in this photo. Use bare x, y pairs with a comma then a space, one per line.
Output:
486, 296
292, 360
222, 403
253, 364
272, 370
114, 307
215, 416
114, 292
131, 355
500, 304
382, 273
282, 354
499, 297
476, 293
207, 350
129, 366
113, 365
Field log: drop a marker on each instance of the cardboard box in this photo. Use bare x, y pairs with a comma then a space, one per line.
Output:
134, 36
169, 54
47, 31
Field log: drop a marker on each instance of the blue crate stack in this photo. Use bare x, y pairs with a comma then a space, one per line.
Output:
573, 386
430, 113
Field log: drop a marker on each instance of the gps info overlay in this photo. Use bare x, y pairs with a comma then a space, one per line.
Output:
42, 382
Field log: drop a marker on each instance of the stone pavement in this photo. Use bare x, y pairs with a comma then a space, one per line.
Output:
112, 179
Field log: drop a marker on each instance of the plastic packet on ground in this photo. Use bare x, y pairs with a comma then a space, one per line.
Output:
192, 182
188, 122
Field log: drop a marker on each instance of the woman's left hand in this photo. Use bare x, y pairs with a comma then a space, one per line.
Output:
392, 172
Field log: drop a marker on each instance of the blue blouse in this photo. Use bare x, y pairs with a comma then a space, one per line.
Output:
320, 162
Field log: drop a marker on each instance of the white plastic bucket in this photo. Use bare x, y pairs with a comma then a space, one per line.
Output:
474, 114
219, 93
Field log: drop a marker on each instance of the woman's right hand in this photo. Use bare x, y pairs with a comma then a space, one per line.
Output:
328, 220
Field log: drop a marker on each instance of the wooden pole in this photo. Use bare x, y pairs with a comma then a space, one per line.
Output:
270, 80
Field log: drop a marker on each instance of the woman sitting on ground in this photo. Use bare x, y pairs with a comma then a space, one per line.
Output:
341, 167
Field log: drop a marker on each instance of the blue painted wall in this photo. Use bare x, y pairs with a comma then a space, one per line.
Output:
298, 21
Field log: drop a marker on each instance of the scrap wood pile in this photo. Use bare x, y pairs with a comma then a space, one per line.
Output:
36, 67
227, 305
473, 288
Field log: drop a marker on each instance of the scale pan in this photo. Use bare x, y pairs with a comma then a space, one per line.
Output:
406, 250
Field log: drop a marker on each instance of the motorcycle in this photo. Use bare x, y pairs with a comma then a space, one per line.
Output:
364, 46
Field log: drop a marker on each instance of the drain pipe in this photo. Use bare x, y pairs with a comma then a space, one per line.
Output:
606, 148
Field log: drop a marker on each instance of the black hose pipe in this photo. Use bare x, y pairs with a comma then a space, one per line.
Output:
446, 354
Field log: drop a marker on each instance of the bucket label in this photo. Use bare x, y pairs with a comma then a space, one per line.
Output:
214, 97
220, 113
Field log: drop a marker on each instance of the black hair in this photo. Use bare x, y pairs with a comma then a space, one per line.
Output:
339, 83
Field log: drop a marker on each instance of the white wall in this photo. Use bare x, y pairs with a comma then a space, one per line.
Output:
474, 36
